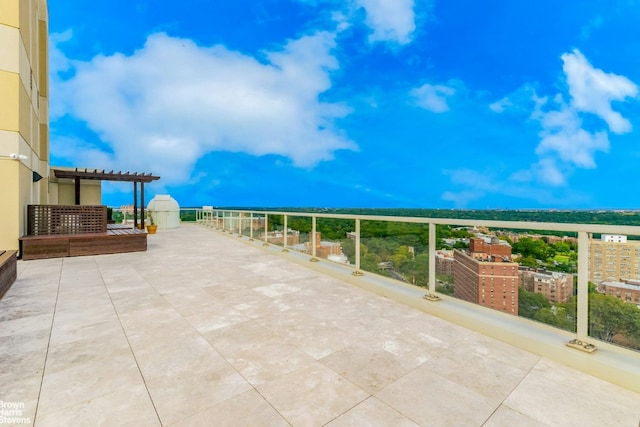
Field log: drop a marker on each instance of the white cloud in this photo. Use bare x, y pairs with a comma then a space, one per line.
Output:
592, 90
170, 102
547, 171
501, 105
475, 185
565, 142
432, 97
390, 20
521, 176
562, 136
520, 102
463, 198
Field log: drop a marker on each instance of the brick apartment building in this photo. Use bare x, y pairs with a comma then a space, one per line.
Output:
486, 275
444, 262
277, 237
323, 249
628, 290
555, 286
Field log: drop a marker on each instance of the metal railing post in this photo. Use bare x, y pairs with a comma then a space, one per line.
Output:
431, 295
313, 240
266, 230
251, 227
582, 299
357, 271
240, 224
284, 236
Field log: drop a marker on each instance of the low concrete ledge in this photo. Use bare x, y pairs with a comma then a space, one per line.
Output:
8, 270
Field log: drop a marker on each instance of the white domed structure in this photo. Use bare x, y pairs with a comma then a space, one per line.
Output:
165, 211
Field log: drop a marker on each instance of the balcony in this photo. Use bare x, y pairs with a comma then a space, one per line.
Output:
211, 328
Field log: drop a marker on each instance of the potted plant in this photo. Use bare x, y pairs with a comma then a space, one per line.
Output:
151, 227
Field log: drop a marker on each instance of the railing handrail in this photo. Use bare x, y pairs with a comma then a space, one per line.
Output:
523, 225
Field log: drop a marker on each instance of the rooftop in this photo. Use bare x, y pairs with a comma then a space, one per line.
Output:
205, 329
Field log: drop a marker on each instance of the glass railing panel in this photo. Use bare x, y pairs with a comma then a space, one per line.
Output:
548, 276
258, 224
237, 223
614, 289
187, 215
244, 224
230, 222
210, 218
299, 234
275, 230
519, 272
255, 224
399, 250
218, 220
223, 220
335, 240
448, 239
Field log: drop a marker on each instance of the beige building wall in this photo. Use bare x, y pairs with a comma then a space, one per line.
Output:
63, 192
24, 121
614, 261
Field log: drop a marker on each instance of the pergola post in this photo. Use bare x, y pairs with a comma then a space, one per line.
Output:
142, 205
135, 204
77, 188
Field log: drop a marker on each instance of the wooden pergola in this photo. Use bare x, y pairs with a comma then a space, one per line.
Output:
102, 175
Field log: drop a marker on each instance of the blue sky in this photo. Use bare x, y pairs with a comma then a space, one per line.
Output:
353, 103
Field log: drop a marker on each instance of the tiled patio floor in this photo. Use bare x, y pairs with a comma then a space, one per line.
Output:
205, 330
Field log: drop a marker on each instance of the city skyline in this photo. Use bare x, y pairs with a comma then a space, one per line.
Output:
360, 103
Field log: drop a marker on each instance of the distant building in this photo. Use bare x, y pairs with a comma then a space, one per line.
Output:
277, 237
614, 258
323, 249
566, 239
487, 276
613, 238
515, 237
444, 262
628, 291
454, 241
484, 249
555, 286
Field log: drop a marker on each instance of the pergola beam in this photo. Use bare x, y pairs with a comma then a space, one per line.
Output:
102, 175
